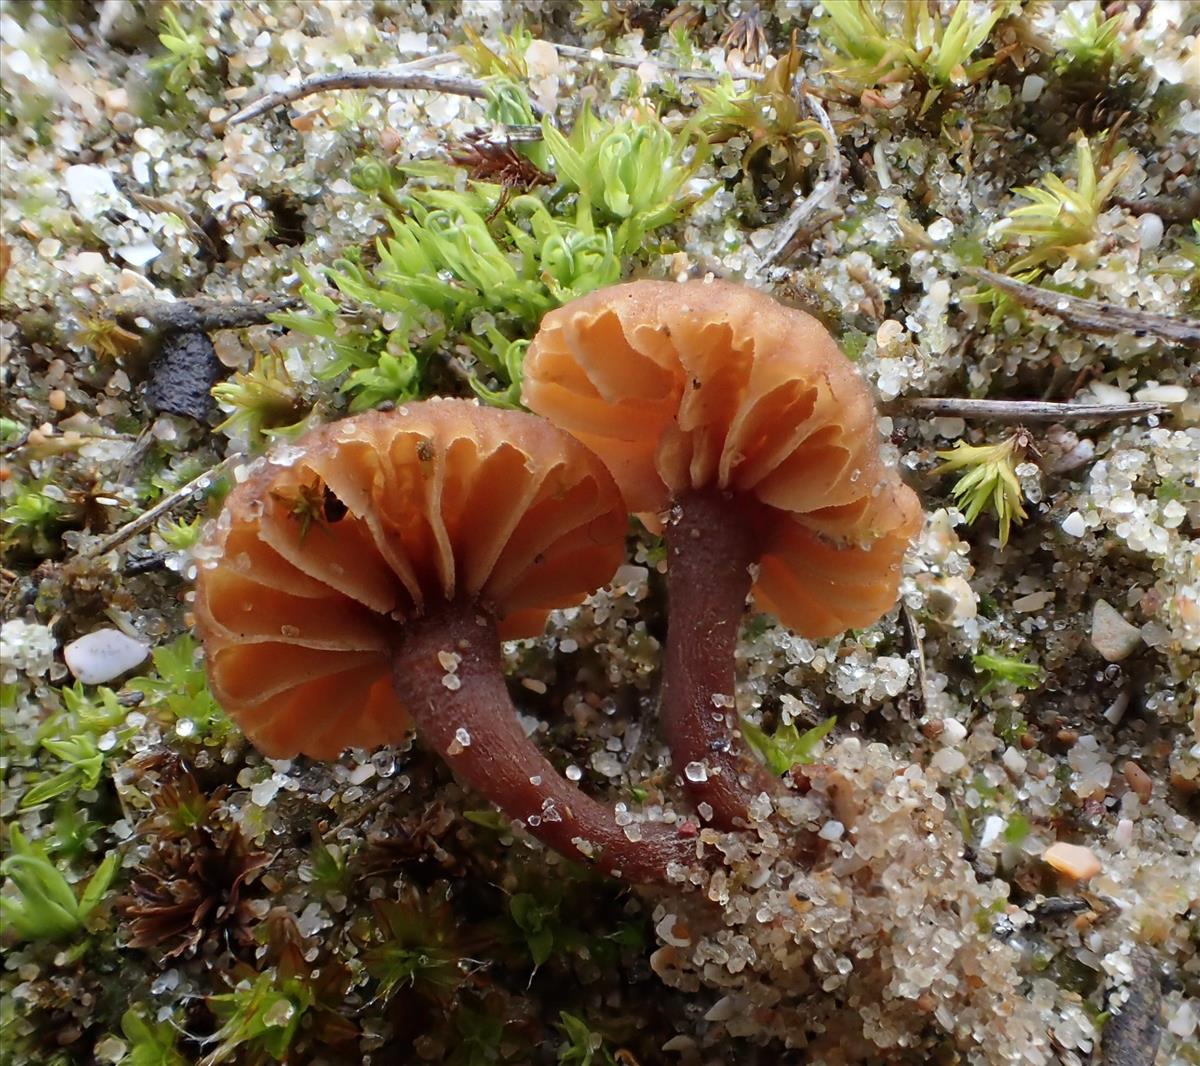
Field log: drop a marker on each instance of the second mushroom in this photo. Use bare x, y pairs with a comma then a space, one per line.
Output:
741, 423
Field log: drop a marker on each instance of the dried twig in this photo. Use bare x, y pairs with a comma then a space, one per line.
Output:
1027, 410
168, 503
201, 313
682, 73
821, 197
399, 78
1093, 315
913, 628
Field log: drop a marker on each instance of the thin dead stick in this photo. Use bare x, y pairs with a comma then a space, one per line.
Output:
1093, 315
914, 635
168, 503
400, 78
1027, 410
200, 312
682, 73
821, 197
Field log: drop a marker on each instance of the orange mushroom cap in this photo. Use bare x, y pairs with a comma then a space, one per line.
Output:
320, 556
709, 384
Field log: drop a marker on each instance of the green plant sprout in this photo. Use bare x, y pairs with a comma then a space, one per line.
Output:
1002, 669
536, 920
262, 1015
632, 171
84, 765
181, 689
182, 533
1092, 44
415, 949
504, 359
46, 906
263, 401
787, 746
107, 339
442, 257
30, 520
1060, 222
151, 1043
94, 713
989, 480
485, 62
584, 1046
870, 52
769, 112
10, 430
186, 57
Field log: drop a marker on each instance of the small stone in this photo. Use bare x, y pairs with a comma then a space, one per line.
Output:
1035, 601
1113, 637
1171, 394
1150, 231
92, 190
111, 1049
1074, 525
949, 761
1031, 88
1072, 860
952, 731
139, 253
1139, 782
832, 831
103, 655
993, 826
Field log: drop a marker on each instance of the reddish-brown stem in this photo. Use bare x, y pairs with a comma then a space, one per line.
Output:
462, 709
710, 547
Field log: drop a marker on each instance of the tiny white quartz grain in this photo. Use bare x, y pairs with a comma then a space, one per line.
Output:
103, 655
952, 731
1162, 394
1150, 231
1031, 88
1123, 834
993, 826
949, 760
91, 190
1013, 761
832, 831
1185, 1021
1074, 525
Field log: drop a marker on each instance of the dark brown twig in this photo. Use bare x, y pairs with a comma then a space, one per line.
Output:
1093, 316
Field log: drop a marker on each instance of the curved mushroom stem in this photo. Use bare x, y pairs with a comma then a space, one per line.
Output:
448, 674
710, 548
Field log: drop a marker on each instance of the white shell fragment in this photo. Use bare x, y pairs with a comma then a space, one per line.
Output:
103, 655
1112, 636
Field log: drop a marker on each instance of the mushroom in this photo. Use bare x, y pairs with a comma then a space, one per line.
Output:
742, 420
361, 581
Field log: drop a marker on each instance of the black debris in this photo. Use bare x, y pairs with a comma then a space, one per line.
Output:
182, 374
